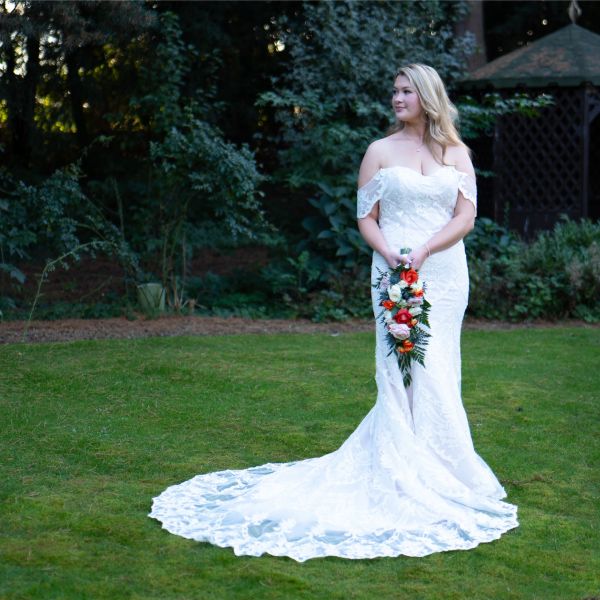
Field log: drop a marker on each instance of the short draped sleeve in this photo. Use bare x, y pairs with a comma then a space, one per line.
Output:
368, 195
468, 188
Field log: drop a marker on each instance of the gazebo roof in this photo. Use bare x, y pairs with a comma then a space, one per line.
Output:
568, 57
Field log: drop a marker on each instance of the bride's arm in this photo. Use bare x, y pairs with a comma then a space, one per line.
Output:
458, 227
369, 226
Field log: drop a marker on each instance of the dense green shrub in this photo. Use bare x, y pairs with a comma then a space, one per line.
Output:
567, 261
493, 253
45, 215
196, 180
53, 222
556, 276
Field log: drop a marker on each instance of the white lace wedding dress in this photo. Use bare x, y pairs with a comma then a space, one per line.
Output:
408, 480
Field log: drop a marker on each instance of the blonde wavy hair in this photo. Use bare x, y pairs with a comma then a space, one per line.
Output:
440, 114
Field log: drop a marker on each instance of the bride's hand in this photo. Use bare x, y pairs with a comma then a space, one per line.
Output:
394, 258
417, 257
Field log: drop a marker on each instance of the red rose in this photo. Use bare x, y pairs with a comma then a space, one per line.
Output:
403, 317
410, 276
387, 304
418, 293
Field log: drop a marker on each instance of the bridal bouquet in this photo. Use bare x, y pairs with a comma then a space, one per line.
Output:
404, 311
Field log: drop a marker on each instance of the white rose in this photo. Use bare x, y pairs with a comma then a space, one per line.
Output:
402, 284
415, 310
395, 292
417, 286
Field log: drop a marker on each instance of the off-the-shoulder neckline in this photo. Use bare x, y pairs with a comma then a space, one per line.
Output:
413, 171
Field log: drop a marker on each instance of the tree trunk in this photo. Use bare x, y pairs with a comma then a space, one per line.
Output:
29, 91
473, 23
20, 101
12, 100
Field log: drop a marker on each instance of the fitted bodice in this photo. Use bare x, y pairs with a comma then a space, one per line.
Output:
412, 202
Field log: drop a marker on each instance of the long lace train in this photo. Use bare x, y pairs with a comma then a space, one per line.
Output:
407, 480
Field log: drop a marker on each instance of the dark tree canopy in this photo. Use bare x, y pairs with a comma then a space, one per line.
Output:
159, 129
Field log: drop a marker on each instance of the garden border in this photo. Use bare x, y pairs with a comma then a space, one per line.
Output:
67, 330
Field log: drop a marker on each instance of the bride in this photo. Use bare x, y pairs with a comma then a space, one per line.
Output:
408, 480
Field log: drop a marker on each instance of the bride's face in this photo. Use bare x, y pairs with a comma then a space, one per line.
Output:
406, 102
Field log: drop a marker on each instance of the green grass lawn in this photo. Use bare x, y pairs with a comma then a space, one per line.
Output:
91, 431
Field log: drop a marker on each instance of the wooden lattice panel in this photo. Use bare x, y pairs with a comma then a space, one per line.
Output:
594, 154
538, 163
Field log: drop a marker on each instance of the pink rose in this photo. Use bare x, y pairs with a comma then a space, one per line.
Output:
415, 301
399, 331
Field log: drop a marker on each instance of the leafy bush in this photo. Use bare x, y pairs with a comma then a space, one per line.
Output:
53, 218
494, 254
567, 261
242, 293
45, 215
288, 287
555, 276
196, 179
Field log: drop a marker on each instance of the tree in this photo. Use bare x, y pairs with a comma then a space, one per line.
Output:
196, 179
335, 98
48, 50
162, 169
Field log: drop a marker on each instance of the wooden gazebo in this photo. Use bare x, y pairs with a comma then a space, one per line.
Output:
548, 165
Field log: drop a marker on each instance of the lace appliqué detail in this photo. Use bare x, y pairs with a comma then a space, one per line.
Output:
368, 195
408, 479
468, 187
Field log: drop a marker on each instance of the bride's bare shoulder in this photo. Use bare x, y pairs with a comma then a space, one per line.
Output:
378, 149
459, 156
379, 145
373, 160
